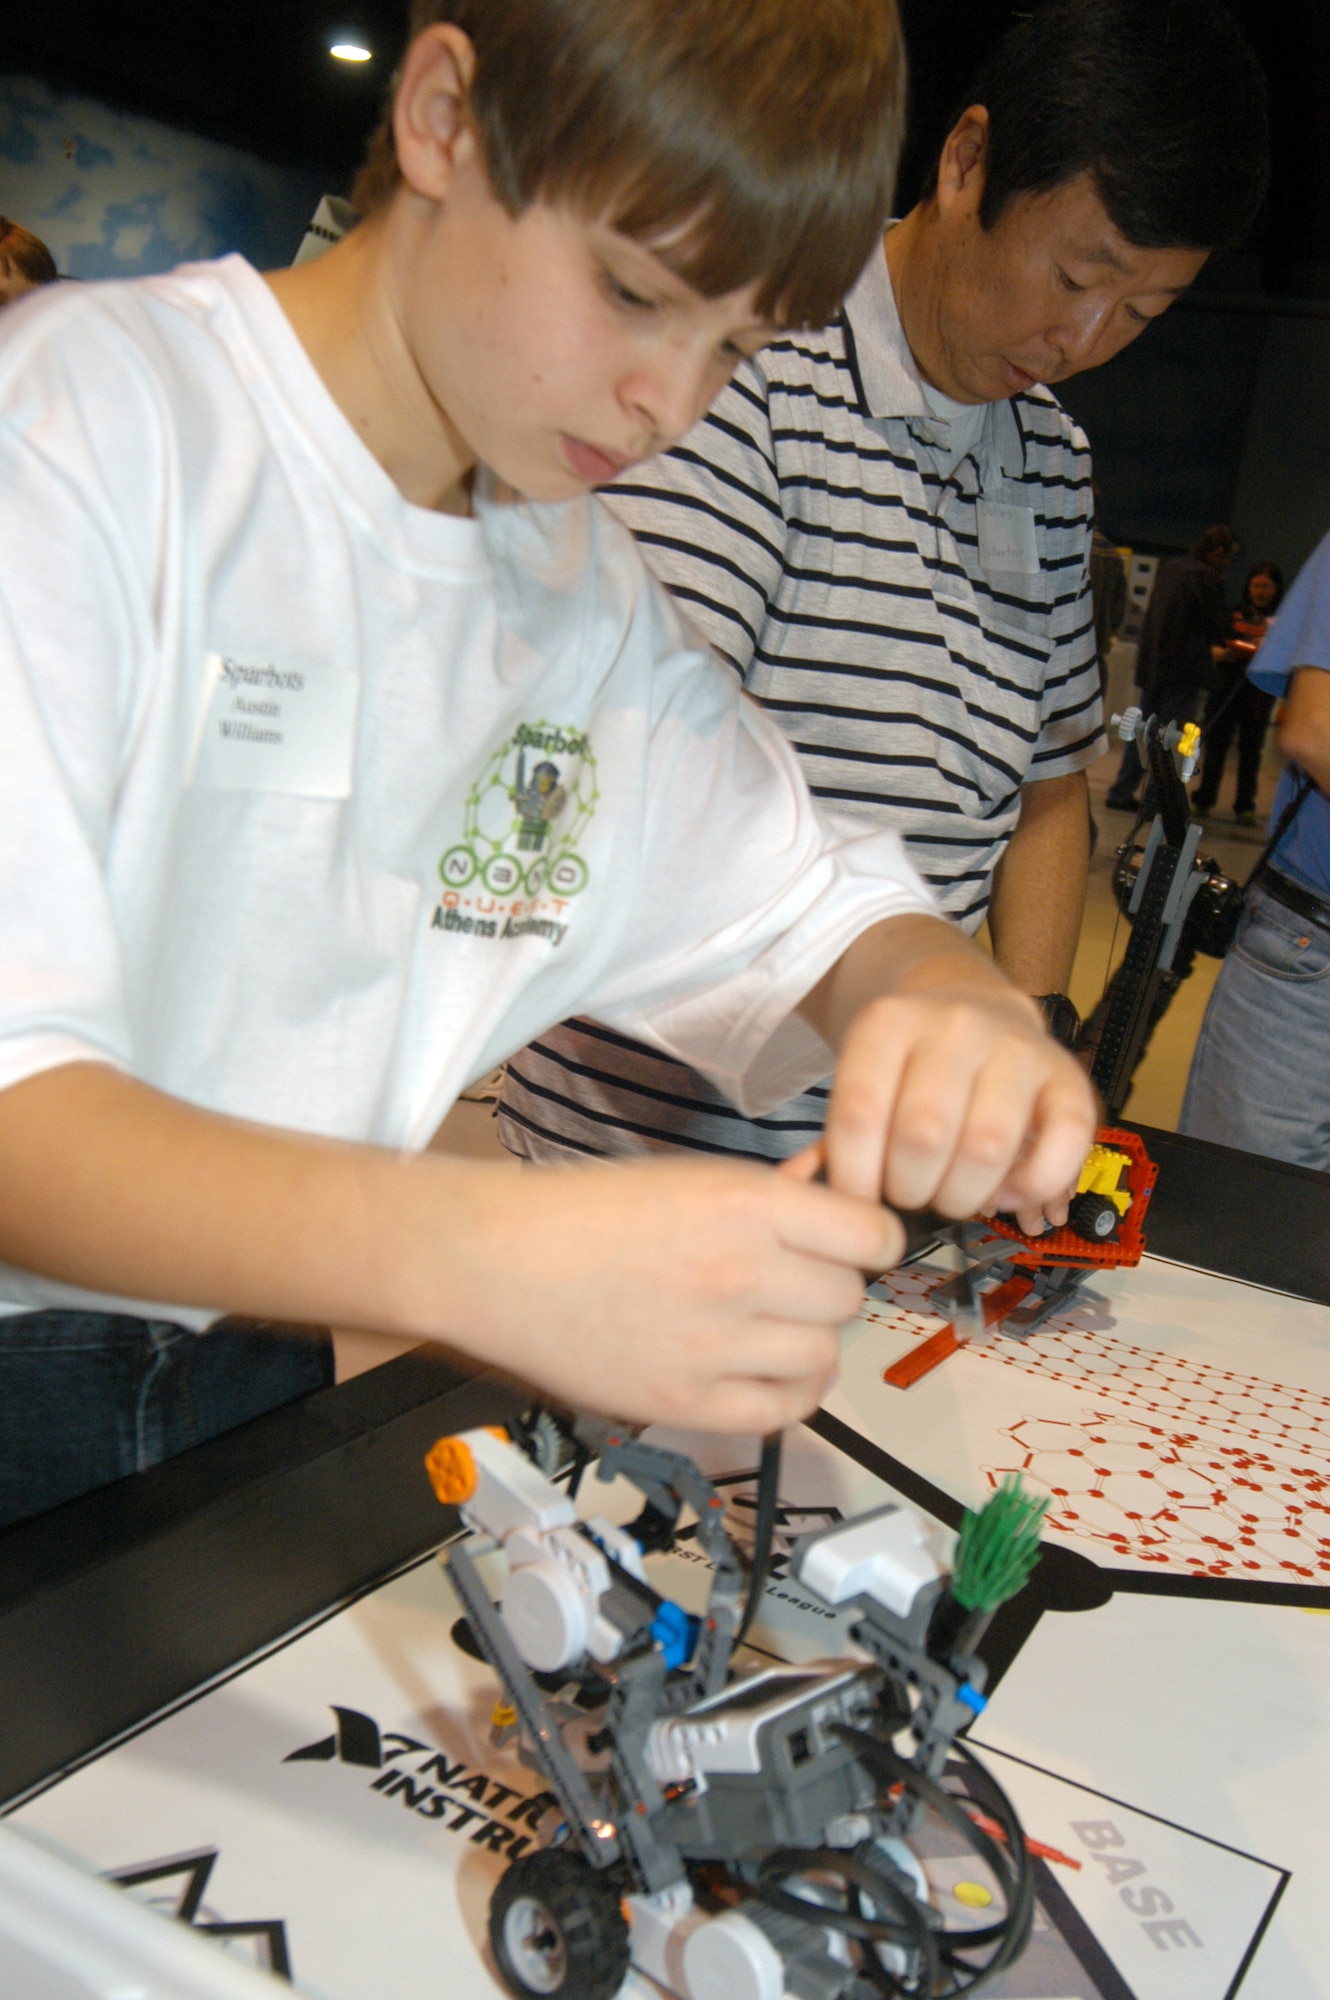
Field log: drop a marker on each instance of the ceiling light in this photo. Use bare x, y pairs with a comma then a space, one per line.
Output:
350, 52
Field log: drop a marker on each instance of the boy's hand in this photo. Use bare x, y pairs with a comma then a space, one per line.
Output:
949, 1092
700, 1293
703, 1294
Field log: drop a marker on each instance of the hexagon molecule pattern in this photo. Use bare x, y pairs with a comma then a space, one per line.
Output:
1169, 1461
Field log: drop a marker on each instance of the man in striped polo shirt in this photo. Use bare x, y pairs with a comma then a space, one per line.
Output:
885, 526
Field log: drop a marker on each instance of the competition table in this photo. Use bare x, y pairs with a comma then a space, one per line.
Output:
1193, 1699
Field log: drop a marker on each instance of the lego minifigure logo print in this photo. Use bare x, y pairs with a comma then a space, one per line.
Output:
526, 816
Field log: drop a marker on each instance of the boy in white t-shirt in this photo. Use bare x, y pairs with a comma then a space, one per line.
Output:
332, 770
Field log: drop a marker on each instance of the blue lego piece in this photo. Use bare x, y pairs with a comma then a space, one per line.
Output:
675, 1632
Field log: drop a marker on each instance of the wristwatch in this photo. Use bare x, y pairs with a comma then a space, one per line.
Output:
1064, 1023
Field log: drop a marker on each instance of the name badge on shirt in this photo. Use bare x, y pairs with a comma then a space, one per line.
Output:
268, 728
1007, 538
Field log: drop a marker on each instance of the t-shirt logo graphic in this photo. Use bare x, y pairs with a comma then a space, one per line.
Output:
526, 816
539, 801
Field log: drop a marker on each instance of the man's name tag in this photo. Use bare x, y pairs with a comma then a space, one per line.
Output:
266, 728
1007, 539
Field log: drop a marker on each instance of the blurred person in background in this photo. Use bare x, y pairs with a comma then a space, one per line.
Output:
25, 261
1236, 703
1183, 637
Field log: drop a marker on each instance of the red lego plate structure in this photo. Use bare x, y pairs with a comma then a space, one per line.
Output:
1065, 1246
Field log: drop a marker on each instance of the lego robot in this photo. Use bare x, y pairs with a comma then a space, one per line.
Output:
735, 1835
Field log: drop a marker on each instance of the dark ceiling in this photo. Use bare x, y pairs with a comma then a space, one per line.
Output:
258, 72
254, 71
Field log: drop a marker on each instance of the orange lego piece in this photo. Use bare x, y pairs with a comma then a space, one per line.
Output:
452, 1471
931, 1353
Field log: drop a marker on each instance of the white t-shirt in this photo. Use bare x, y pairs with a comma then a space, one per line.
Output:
315, 804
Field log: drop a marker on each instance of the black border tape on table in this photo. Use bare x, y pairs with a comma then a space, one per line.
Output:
117, 1604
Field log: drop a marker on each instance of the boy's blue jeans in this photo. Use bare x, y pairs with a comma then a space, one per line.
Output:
1260, 1078
88, 1397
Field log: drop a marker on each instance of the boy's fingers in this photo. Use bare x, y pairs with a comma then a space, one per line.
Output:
863, 1101
859, 1235
1062, 1133
927, 1145
805, 1166
997, 1124
779, 1350
745, 1407
1014, 1126
803, 1292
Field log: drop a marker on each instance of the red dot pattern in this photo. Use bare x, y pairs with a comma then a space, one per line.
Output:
1171, 1462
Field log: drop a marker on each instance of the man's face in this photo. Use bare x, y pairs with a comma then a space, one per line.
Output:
559, 350
1051, 289
1261, 590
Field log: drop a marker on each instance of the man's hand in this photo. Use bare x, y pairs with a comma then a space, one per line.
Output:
949, 1092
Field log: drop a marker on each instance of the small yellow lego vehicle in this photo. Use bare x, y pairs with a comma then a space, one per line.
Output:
1102, 1196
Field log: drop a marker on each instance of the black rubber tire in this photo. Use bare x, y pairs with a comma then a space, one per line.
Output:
585, 1939
1094, 1217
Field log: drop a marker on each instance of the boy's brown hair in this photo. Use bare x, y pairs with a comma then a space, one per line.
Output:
760, 136
25, 253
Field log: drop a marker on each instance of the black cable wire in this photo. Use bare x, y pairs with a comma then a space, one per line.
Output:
764, 1528
1021, 1913
1011, 1870
912, 1931
884, 1981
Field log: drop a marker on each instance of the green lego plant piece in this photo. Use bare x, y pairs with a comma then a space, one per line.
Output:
998, 1547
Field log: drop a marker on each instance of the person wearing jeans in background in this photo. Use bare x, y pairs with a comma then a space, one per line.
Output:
1260, 1077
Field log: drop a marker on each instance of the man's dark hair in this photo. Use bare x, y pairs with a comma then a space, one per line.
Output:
1217, 541
1162, 102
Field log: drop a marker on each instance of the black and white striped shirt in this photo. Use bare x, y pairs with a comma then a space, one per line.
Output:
822, 530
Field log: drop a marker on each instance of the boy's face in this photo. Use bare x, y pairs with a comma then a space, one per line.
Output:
558, 350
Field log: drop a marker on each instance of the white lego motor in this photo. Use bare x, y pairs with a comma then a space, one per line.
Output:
558, 1572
